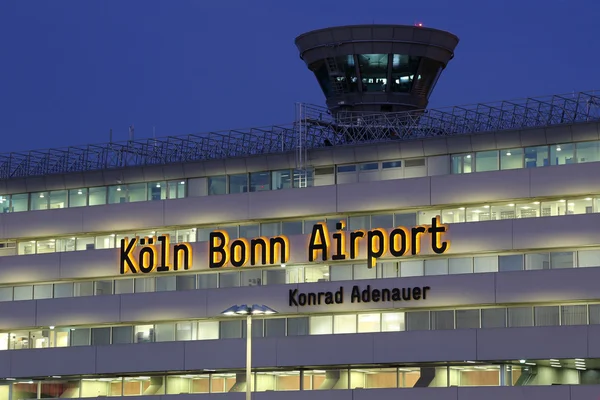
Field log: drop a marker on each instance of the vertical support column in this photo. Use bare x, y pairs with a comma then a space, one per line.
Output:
503, 375
248, 356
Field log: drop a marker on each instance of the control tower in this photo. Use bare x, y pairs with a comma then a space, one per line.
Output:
366, 69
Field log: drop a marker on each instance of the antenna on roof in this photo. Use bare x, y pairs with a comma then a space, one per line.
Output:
131, 135
110, 136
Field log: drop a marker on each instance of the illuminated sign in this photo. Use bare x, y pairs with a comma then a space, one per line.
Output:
368, 295
379, 243
151, 254
146, 257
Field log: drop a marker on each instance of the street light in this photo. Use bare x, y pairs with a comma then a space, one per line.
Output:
248, 311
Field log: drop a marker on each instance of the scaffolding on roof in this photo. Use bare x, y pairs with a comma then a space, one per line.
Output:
314, 127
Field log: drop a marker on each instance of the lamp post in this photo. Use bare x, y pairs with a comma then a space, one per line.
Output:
248, 311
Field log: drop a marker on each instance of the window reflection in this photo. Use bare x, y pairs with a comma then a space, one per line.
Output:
373, 71
404, 69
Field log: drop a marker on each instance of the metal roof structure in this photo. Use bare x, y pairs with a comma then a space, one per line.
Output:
314, 127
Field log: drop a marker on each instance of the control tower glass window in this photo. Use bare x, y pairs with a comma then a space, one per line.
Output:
428, 75
404, 69
373, 71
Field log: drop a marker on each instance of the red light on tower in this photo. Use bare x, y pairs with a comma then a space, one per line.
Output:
419, 24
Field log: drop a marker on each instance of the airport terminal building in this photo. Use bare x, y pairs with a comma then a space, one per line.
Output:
407, 253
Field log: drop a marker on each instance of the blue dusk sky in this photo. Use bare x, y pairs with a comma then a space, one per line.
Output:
72, 69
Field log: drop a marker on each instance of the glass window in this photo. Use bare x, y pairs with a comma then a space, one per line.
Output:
467, 319
573, 315
260, 181
42, 291
580, 206
185, 331
361, 271
303, 178
405, 219
104, 242
528, 210
537, 261
321, 325
588, 151
510, 263
391, 164
479, 213
368, 323
19, 202
144, 285
238, 183
442, 320
83, 289
63, 290
493, 318
6, 293
176, 189
392, 322
229, 279
536, 157
511, 158
346, 168
122, 334
453, 215
208, 330
588, 258
281, 179
39, 201
373, 70
411, 268
217, 184
368, 166
345, 323
520, 316
97, 196
546, 316
462, 164
359, 222
23, 292
78, 197
230, 329
164, 332
65, 244
4, 204
485, 264
417, 321
486, 161
554, 208
207, 281
116, 194
103, 287
80, 337
156, 191
123, 286
562, 259
251, 277
270, 229
341, 272
134, 192
297, 326
292, 228
166, 283
100, 336
404, 69
561, 154
275, 327
436, 266
46, 246
425, 217
185, 282
503, 211
58, 199
186, 235
249, 231
382, 221
144, 333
